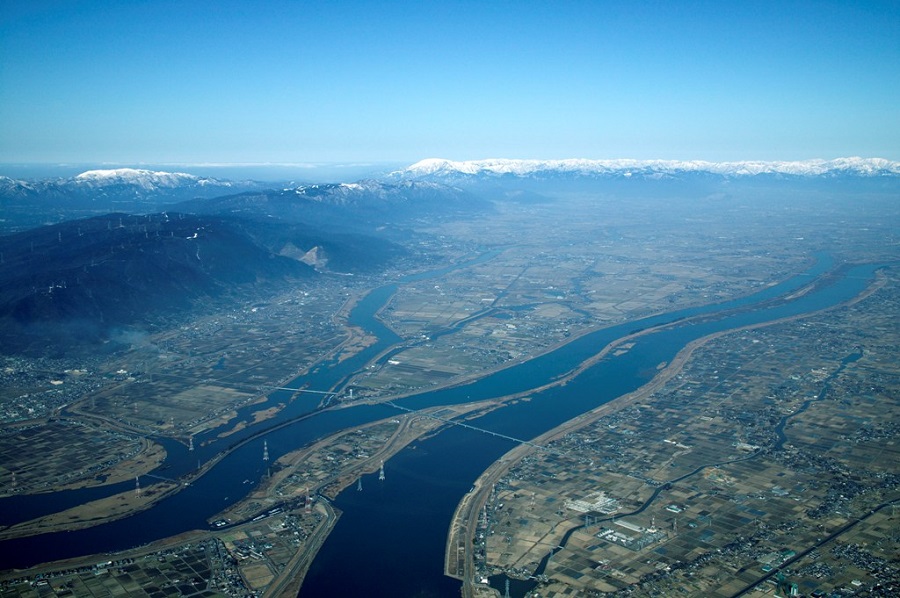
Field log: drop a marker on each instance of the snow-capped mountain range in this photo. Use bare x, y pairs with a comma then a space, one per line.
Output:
127, 180
436, 168
145, 179
425, 185
25, 203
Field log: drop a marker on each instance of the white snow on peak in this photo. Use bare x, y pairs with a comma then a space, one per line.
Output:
501, 166
147, 179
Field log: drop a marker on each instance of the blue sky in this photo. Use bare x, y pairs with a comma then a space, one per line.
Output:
329, 82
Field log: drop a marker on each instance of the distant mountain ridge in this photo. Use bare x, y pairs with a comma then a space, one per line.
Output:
145, 179
26, 203
135, 180
441, 169
363, 204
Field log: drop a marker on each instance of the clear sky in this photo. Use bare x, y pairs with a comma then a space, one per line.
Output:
185, 81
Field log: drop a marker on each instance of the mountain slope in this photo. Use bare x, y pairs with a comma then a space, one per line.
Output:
76, 282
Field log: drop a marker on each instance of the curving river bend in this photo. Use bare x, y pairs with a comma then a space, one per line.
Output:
390, 539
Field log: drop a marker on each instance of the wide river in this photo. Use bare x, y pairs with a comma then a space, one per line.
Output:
390, 539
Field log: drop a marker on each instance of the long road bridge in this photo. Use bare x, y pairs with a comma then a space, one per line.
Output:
163, 478
318, 392
470, 427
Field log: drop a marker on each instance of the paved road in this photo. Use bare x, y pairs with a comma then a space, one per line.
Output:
841, 530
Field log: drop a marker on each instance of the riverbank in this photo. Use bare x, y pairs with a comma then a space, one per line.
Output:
459, 563
285, 491
245, 462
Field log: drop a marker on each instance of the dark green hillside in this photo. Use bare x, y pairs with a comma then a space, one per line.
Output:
73, 283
